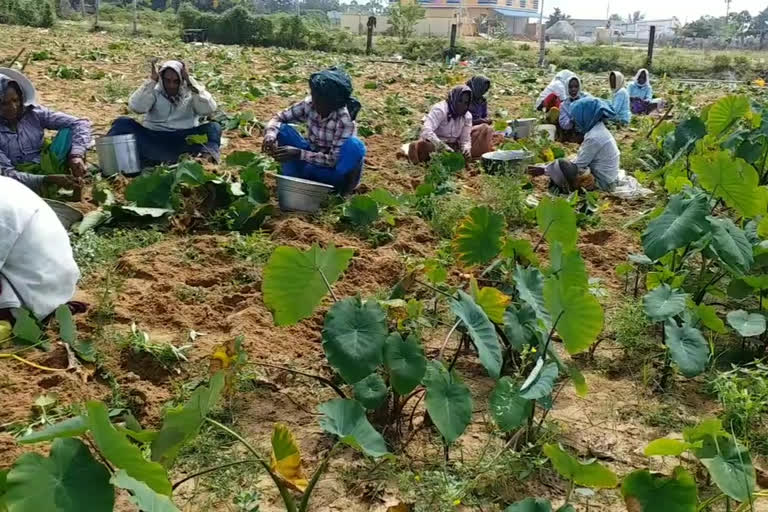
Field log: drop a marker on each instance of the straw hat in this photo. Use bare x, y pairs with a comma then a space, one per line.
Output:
27, 89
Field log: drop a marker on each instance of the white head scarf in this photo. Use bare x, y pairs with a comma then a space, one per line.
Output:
558, 85
176, 66
647, 79
619, 80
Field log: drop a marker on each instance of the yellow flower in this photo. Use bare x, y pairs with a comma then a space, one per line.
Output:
417, 478
5, 330
760, 82
456, 502
533, 350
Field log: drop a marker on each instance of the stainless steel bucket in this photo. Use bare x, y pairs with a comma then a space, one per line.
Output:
523, 128
118, 154
296, 194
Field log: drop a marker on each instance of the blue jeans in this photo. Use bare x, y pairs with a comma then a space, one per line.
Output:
344, 177
156, 147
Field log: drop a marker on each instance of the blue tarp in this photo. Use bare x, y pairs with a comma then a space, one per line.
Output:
516, 13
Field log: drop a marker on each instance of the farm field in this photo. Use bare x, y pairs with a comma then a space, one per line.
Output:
167, 301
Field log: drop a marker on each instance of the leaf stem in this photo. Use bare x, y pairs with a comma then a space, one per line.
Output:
436, 290
211, 470
290, 504
318, 378
570, 491
327, 285
442, 348
304, 505
543, 235
30, 363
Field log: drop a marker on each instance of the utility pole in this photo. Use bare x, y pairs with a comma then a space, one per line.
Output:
541, 36
298, 8
135, 17
727, 9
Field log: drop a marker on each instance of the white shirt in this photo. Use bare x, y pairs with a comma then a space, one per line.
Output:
161, 114
601, 155
438, 128
37, 268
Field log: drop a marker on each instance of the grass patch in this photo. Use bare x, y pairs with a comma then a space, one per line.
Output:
447, 211
253, 248
93, 250
506, 195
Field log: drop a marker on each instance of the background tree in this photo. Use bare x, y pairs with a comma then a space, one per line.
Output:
320, 5
704, 27
403, 19
635, 17
557, 15
759, 27
615, 19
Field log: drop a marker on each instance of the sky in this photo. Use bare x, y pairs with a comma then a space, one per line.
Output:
685, 10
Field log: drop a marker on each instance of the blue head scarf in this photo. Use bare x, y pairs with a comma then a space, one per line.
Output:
335, 86
589, 111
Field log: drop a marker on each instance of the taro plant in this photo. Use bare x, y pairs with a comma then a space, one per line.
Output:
728, 464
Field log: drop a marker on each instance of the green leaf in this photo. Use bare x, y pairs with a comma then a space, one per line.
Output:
508, 408
141, 495
542, 384
153, 190
530, 505
568, 267
131, 213
644, 491
354, 336
66, 481
730, 244
240, 158
530, 286
682, 222
521, 251
481, 331
731, 179
405, 361
493, 302
687, 133
478, 236
666, 447
67, 329
709, 318
730, 466
591, 474
577, 312
346, 419
361, 211
92, 220
121, 453
196, 139
687, 348
384, 197
371, 391
578, 380
192, 173
293, 284
520, 326
26, 328
182, 423
747, 324
663, 303
762, 228
712, 427
71, 427
557, 222
726, 112
448, 401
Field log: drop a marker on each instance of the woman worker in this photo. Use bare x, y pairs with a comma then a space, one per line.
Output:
554, 94
567, 129
332, 153
22, 135
598, 159
448, 127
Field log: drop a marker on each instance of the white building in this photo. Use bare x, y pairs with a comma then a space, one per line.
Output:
641, 30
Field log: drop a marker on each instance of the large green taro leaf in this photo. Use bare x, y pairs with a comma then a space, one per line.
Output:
540, 382
731, 245
448, 401
576, 311
346, 419
371, 391
687, 347
729, 465
508, 408
731, 179
142, 496
644, 491
182, 423
682, 222
530, 505
478, 236
746, 324
568, 266
361, 211
295, 281
725, 113
557, 221
590, 474
687, 133
481, 331
530, 287
520, 326
354, 336
69, 480
122, 454
154, 190
663, 303
405, 361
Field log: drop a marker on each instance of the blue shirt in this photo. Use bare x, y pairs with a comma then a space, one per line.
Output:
644, 92
620, 104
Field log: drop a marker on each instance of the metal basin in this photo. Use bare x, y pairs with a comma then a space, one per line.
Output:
524, 128
296, 194
118, 154
506, 162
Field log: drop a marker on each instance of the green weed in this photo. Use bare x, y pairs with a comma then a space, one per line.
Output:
506, 195
139, 342
743, 394
190, 294
447, 211
253, 248
95, 250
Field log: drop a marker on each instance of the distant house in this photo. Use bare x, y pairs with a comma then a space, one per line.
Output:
641, 30
587, 28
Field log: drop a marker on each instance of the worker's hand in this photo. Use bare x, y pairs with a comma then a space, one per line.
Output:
60, 180
286, 154
488, 121
153, 74
269, 145
77, 166
185, 78
467, 155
